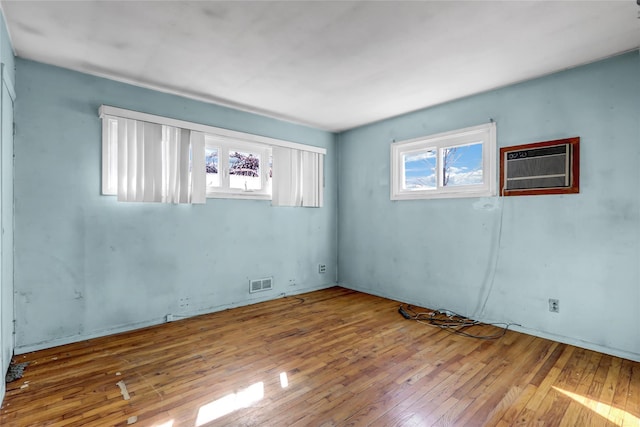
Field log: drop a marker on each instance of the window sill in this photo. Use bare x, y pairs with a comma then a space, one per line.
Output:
248, 195
442, 195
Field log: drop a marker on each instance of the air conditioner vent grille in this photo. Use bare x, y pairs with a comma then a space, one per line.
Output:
537, 166
537, 182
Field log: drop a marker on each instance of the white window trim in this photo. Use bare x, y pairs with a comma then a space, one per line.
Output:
485, 133
232, 139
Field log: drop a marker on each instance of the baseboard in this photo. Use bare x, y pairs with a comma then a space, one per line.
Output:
579, 343
534, 332
22, 349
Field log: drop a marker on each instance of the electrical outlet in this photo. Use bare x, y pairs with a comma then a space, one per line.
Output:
554, 305
322, 268
169, 318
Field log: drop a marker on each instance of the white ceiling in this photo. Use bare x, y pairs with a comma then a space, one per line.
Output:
333, 65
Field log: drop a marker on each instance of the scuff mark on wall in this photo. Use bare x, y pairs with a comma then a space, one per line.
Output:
25, 296
487, 204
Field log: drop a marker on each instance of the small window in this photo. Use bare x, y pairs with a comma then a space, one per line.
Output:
453, 164
237, 168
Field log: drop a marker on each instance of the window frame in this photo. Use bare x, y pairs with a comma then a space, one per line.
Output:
485, 134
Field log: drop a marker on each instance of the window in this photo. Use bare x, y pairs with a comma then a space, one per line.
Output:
459, 163
228, 164
237, 169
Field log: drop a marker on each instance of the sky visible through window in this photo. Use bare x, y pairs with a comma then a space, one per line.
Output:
463, 167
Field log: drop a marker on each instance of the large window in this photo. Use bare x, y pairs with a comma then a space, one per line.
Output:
459, 163
140, 159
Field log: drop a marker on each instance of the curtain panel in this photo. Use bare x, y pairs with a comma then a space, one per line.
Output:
159, 163
298, 178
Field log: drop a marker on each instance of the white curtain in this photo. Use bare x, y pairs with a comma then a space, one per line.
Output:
297, 178
198, 185
312, 179
158, 163
286, 188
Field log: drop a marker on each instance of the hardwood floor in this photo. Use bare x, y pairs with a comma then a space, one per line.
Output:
349, 359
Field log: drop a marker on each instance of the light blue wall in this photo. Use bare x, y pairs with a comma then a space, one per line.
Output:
7, 94
86, 265
520, 251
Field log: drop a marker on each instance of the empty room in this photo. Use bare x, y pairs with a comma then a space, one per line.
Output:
320, 213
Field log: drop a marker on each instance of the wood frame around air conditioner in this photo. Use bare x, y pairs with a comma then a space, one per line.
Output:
574, 168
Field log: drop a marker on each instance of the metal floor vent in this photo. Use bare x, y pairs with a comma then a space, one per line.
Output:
258, 285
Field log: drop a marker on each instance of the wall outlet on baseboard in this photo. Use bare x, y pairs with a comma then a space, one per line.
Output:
169, 318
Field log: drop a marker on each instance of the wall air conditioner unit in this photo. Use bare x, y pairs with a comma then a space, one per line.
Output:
550, 167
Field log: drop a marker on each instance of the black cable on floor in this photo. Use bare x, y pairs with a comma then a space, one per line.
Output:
451, 322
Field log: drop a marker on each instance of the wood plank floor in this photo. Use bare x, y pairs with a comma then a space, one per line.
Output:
332, 357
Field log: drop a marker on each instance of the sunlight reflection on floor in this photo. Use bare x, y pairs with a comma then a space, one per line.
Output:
615, 415
284, 380
229, 403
